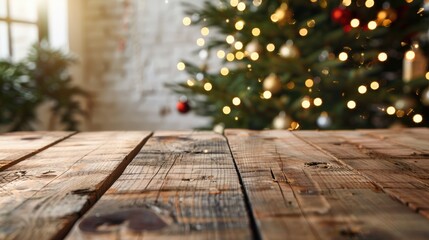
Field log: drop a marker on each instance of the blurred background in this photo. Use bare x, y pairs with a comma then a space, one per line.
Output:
165, 64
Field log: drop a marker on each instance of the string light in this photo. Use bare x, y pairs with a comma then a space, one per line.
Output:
410, 55
317, 102
208, 86
190, 82
233, 3
391, 110
362, 89
427, 75
220, 54
369, 3
230, 39
355, 23
200, 42
372, 25
347, 2
418, 118
230, 57
256, 32
382, 57
254, 56
239, 25
257, 3
343, 56
238, 45
186, 21
226, 110
351, 104
303, 32
205, 31
224, 71
236, 101
271, 47
181, 66
374, 85
239, 55
305, 104
309, 83
267, 95
241, 6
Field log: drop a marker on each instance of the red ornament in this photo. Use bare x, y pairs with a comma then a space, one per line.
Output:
341, 15
183, 106
347, 28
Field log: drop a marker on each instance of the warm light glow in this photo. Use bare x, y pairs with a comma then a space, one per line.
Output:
230, 57
220, 54
351, 104
369, 3
270, 47
256, 32
257, 3
186, 21
205, 31
410, 55
375, 85
267, 94
208, 86
233, 3
181, 66
391, 110
427, 75
200, 42
236, 101
226, 110
343, 56
382, 57
239, 55
238, 45
418, 118
230, 39
224, 71
239, 25
372, 25
190, 83
305, 103
317, 102
309, 83
254, 56
303, 32
347, 2
355, 23
241, 6
362, 89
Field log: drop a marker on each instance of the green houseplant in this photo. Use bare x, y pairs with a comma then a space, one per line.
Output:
39, 78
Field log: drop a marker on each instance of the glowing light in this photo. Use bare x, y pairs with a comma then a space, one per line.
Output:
303, 32
181, 66
224, 71
256, 32
220, 54
239, 55
205, 31
362, 89
400, 113
271, 47
230, 57
309, 83
230, 39
186, 21
226, 110
382, 57
418, 118
374, 85
190, 83
427, 75
372, 25
317, 102
369, 3
254, 56
200, 42
241, 6
239, 25
267, 94
238, 45
351, 104
236, 101
311, 23
355, 23
208, 86
343, 56
347, 2
233, 3
305, 104
391, 110
410, 55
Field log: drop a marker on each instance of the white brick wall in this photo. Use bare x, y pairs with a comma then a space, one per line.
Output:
130, 52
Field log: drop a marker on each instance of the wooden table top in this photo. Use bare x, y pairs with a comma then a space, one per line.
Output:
364, 184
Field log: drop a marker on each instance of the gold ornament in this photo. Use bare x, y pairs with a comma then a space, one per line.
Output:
414, 65
272, 83
253, 47
282, 121
289, 50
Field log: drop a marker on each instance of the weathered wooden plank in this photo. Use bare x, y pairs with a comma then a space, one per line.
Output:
182, 185
328, 199
42, 196
398, 167
17, 146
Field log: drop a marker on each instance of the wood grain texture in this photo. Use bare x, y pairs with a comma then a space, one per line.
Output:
395, 161
298, 191
17, 146
42, 196
182, 185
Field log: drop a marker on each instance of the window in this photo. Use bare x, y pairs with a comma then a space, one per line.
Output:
22, 23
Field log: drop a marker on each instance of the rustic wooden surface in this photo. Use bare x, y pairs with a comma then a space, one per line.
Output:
363, 184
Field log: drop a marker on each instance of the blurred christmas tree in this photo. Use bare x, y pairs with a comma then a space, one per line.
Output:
310, 64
